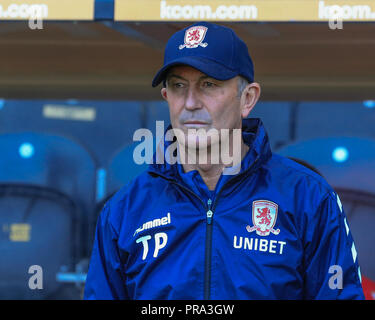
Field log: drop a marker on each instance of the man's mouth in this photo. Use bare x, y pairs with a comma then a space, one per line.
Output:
195, 123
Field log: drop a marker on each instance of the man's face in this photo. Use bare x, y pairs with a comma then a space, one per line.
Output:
197, 101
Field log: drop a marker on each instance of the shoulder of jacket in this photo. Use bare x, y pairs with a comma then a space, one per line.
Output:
118, 205
285, 166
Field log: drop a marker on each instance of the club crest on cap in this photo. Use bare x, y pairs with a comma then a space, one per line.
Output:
194, 37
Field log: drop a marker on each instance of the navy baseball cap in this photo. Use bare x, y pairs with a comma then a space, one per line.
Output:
213, 49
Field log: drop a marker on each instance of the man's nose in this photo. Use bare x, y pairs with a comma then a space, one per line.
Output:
192, 100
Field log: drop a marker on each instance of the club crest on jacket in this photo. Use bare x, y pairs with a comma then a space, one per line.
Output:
264, 215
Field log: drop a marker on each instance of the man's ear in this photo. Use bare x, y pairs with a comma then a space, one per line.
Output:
163, 92
249, 98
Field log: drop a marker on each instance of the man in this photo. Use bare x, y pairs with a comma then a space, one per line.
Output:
259, 227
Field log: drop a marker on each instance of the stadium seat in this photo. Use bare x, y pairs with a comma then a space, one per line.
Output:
120, 172
40, 174
122, 168
38, 227
333, 118
346, 162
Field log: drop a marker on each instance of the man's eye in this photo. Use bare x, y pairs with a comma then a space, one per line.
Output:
208, 84
178, 85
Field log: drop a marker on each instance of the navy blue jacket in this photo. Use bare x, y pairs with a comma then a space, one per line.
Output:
275, 230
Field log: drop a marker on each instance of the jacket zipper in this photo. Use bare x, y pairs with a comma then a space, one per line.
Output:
209, 217
208, 244
207, 252
208, 248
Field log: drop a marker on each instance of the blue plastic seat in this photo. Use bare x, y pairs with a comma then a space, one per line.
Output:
47, 194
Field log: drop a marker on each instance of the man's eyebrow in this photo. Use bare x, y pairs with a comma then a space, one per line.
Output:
174, 76
206, 77
182, 78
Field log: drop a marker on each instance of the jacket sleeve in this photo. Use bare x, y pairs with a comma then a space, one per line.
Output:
105, 278
330, 256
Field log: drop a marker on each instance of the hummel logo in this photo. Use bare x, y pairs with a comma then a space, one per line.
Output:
154, 223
